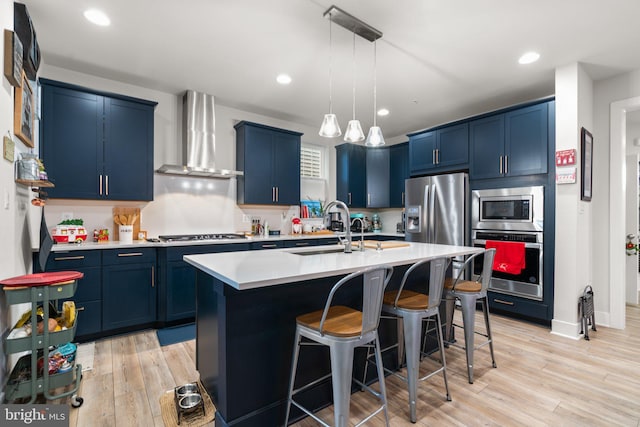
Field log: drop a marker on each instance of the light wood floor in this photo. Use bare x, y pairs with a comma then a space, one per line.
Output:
541, 380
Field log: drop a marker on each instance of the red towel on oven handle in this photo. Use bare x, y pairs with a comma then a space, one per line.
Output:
509, 256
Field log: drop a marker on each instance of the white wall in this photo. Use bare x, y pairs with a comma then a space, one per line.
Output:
14, 199
606, 92
573, 111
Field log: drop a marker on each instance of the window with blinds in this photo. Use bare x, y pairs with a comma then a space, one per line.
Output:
310, 162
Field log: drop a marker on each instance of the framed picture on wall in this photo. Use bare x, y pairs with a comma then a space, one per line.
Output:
587, 164
23, 112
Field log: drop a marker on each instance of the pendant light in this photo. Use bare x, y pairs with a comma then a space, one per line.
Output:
330, 127
354, 130
374, 138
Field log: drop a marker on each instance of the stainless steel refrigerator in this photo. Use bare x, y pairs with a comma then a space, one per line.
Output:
437, 209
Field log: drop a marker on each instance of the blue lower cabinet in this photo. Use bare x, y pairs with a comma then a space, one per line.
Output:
88, 296
300, 243
128, 288
267, 245
177, 281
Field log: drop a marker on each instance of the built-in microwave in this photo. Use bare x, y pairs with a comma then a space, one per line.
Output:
517, 209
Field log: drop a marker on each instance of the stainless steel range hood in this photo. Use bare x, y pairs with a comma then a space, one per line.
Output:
198, 140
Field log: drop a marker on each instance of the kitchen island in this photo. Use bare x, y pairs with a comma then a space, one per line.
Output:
247, 303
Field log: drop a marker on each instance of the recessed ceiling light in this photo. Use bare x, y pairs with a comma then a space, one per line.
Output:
283, 79
529, 58
383, 112
97, 17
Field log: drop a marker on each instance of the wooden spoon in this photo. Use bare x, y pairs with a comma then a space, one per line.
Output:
134, 219
123, 220
116, 219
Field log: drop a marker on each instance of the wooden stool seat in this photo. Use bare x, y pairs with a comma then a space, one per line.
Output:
341, 321
408, 300
464, 285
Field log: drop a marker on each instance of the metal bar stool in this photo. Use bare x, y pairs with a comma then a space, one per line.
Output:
468, 292
343, 329
412, 309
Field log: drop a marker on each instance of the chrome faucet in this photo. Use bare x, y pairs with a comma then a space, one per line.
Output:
341, 205
361, 232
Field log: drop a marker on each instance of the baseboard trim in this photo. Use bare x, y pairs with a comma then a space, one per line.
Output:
565, 329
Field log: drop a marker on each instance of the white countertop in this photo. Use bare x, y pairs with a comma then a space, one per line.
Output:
256, 269
59, 247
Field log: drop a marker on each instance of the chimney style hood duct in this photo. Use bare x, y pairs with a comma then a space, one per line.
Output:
198, 140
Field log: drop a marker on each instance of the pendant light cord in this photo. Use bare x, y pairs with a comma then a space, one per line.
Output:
354, 75
330, 63
375, 84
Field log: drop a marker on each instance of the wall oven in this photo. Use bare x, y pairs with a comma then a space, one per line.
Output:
514, 215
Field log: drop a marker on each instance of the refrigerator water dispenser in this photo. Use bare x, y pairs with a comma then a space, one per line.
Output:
413, 215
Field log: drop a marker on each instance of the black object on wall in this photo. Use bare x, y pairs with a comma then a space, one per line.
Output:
23, 27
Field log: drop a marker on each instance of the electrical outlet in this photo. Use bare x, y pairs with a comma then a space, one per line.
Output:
67, 215
246, 219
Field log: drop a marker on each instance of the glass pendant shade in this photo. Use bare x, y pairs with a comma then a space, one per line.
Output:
330, 127
374, 138
354, 132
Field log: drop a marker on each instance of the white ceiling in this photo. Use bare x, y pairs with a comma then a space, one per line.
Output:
437, 60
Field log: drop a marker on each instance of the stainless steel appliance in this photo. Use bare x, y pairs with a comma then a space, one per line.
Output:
336, 223
514, 215
436, 209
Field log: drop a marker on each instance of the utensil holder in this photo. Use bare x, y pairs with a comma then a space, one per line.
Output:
126, 233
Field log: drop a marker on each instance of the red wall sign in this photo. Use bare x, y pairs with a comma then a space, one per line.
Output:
566, 157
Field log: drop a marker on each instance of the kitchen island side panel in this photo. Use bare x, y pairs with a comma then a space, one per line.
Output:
251, 333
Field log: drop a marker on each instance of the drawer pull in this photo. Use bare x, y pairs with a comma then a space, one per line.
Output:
79, 308
131, 254
68, 258
302, 244
500, 301
153, 277
270, 246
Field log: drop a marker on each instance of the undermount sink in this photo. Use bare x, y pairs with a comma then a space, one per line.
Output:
318, 251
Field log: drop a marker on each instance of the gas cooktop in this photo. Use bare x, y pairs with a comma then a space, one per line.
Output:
189, 237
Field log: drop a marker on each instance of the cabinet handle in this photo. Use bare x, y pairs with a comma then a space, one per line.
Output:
68, 258
100, 185
368, 199
437, 156
302, 244
273, 194
349, 199
107, 184
501, 301
153, 278
131, 254
500, 165
272, 245
433, 157
79, 308
277, 194
506, 165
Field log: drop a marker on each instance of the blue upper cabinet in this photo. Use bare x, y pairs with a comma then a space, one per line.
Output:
514, 143
398, 173
378, 173
270, 160
96, 145
439, 150
351, 175
128, 162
